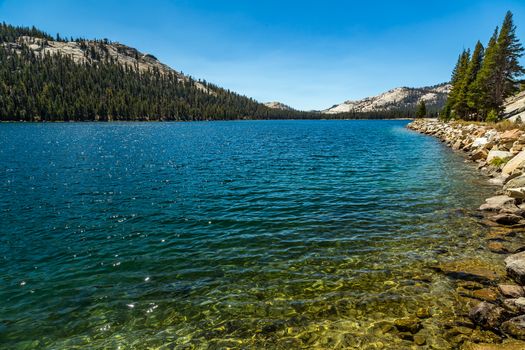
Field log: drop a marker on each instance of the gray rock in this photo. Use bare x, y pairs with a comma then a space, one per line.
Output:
480, 141
458, 144
515, 266
488, 315
491, 135
510, 135
498, 180
515, 327
514, 175
497, 203
516, 305
506, 219
517, 192
515, 163
479, 154
516, 182
515, 210
482, 164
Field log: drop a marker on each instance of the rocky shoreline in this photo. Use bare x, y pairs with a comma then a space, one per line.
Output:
495, 295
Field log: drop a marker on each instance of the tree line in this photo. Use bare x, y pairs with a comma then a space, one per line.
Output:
484, 78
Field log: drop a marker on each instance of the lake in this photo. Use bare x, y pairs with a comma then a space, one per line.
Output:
248, 234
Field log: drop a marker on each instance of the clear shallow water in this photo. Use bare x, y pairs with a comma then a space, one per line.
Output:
274, 234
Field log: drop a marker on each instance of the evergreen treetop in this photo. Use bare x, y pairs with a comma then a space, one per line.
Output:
461, 106
421, 109
491, 75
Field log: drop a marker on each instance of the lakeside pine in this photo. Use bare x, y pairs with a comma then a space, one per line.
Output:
421, 110
481, 81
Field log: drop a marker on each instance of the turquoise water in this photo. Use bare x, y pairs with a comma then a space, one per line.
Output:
252, 234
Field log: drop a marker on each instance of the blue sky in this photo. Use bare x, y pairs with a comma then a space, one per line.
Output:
308, 54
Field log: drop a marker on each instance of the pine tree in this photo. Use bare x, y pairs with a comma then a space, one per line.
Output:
497, 78
458, 75
509, 50
480, 95
461, 106
421, 110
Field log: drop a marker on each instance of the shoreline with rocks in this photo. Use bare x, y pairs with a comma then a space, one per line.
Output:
495, 295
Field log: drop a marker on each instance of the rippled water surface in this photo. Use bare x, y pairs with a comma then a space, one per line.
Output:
256, 234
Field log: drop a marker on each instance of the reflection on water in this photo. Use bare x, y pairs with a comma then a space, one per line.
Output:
274, 234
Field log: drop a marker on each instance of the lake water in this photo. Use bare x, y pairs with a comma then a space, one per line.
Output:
251, 234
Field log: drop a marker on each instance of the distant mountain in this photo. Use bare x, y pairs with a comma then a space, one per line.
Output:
278, 105
402, 98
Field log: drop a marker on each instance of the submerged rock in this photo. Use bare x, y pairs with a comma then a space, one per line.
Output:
486, 294
484, 336
470, 285
423, 312
497, 247
512, 246
458, 330
516, 305
474, 270
500, 233
408, 324
406, 336
420, 340
515, 265
515, 327
511, 345
488, 315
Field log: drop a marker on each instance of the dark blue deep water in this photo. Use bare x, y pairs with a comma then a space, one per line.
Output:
252, 234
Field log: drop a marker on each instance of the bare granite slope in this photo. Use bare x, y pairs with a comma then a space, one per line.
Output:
395, 99
515, 107
278, 105
89, 52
